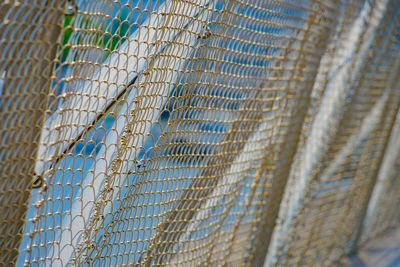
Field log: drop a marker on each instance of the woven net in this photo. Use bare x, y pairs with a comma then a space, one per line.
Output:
196, 132
383, 211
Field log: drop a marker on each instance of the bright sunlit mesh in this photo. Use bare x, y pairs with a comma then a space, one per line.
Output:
196, 132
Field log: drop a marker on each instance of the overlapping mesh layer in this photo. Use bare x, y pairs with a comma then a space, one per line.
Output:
29, 31
344, 139
383, 211
197, 132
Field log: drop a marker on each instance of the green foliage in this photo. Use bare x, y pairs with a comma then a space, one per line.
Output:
112, 34
67, 30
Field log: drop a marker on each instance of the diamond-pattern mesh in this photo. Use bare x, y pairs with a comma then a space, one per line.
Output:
196, 132
29, 32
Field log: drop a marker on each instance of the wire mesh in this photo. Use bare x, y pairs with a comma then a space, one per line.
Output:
29, 32
344, 140
382, 212
196, 132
